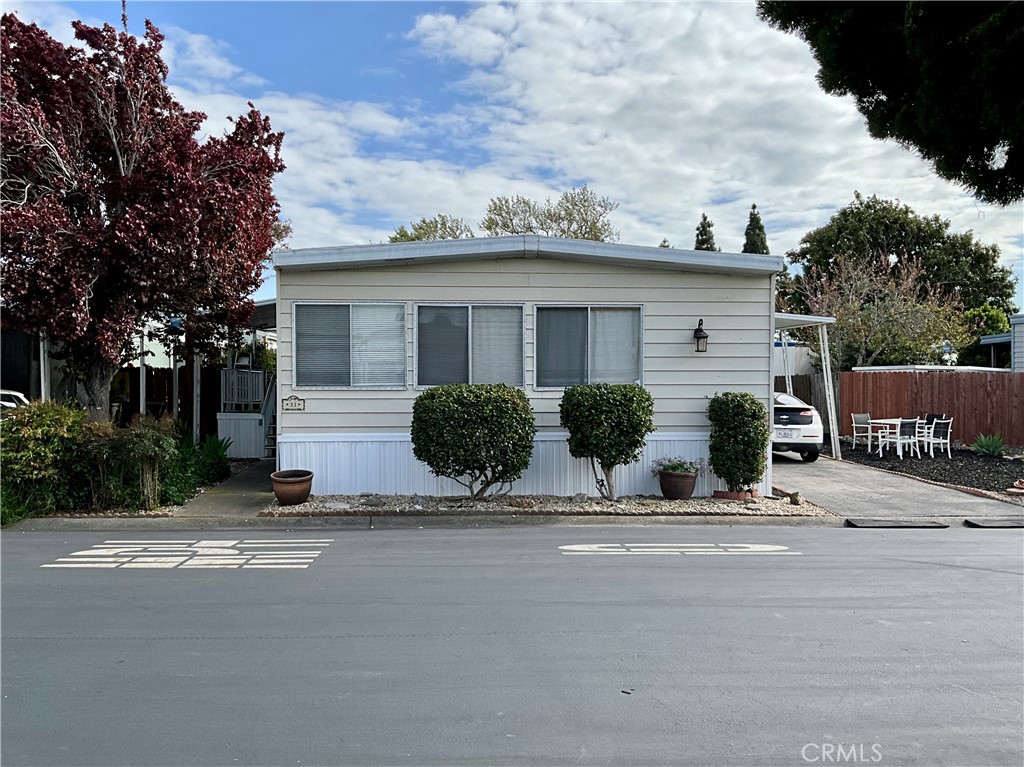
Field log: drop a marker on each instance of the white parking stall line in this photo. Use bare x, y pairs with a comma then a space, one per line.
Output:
267, 553
679, 549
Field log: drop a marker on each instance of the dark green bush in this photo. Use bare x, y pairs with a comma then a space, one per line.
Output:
609, 424
39, 470
474, 433
739, 439
213, 462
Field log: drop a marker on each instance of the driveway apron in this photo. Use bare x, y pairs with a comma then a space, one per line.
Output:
852, 490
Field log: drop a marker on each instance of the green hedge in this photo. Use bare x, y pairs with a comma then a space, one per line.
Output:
609, 424
739, 439
480, 435
54, 460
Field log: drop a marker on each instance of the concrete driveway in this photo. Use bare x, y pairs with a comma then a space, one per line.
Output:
852, 490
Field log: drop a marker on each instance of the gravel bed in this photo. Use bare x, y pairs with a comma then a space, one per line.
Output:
991, 475
415, 505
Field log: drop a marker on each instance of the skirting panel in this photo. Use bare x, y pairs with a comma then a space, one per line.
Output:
349, 464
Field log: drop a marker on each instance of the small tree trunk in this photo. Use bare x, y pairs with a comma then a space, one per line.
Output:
609, 480
96, 395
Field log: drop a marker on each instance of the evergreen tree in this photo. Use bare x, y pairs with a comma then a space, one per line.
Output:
754, 238
664, 243
705, 237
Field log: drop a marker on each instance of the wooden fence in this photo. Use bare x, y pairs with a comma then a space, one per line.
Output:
978, 402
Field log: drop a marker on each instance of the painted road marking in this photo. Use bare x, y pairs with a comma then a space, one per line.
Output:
257, 553
676, 548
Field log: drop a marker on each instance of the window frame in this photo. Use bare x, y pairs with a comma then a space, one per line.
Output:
416, 385
405, 354
588, 307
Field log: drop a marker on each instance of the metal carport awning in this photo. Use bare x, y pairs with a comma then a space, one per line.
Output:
785, 322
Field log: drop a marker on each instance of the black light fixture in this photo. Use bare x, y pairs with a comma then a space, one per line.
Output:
700, 338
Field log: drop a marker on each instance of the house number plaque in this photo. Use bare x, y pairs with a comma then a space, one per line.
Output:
293, 403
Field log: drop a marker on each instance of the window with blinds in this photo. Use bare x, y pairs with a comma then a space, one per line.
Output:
342, 345
469, 344
587, 344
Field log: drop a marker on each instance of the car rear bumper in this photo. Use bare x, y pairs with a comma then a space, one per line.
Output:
797, 446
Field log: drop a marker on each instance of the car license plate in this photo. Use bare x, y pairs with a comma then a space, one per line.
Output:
785, 433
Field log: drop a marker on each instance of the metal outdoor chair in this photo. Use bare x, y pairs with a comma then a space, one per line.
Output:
903, 436
861, 427
939, 436
925, 425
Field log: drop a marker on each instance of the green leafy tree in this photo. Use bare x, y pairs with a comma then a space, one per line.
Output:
440, 227
954, 264
755, 240
886, 314
479, 435
705, 236
608, 424
982, 321
578, 214
738, 449
932, 76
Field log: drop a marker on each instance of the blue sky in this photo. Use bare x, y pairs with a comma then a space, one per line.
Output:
393, 111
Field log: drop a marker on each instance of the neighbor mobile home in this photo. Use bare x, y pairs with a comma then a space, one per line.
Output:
363, 330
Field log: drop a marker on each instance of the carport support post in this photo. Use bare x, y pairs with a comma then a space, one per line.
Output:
830, 399
785, 363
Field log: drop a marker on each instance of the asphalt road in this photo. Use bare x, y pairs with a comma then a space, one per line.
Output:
479, 647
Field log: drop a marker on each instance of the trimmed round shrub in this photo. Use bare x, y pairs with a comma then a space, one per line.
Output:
739, 439
609, 424
480, 435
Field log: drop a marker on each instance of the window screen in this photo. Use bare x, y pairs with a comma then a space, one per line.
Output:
587, 345
469, 344
340, 345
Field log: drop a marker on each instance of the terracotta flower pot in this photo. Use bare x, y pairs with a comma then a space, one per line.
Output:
736, 495
292, 486
675, 485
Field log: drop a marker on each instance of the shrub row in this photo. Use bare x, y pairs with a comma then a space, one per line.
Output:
54, 460
482, 435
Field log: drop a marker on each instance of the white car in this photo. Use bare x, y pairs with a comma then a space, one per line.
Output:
10, 399
797, 427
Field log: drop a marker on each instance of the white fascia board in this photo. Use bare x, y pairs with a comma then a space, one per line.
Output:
788, 321
524, 246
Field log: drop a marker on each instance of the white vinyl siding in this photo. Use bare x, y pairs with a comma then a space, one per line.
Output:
349, 345
469, 344
578, 345
736, 309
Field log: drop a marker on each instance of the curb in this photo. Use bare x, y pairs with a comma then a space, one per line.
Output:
62, 524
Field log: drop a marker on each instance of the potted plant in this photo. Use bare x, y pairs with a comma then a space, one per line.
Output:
677, 476
292, 486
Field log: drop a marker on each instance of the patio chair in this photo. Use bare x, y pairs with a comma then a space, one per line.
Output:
925, 425
861, 427
904, 436
939, 435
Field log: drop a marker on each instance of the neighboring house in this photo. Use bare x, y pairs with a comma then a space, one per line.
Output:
1008, 345
363, 330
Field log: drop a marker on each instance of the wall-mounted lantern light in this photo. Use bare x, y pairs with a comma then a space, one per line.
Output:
700, 338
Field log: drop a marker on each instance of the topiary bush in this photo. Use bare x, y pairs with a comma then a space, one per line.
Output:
739, 439
609, 424
38, 451
480, 435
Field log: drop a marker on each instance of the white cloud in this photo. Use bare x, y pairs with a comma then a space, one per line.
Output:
671, 109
